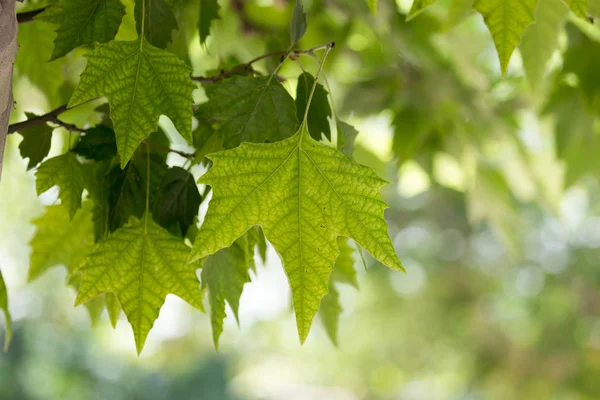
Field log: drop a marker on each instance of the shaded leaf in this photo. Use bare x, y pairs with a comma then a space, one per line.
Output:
319, 109
98, 144
177, 201
4, 307
346, 138
209, 12
83, 22
66, 172
36, 142
298, 23
250, 110
159, 21
224, 275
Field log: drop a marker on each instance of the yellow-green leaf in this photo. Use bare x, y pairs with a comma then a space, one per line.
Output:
141, 83
506, 20
304, 194
418, 7
579, 7
140, 263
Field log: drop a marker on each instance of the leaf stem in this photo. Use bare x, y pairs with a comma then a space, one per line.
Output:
51, 117
328, 48
147, 187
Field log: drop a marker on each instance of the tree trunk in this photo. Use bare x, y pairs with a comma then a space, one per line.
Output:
8, 52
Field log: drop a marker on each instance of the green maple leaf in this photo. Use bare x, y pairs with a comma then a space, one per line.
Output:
506, 20
36, 142
83, 22
60, 240
68, 174
159, 21
140, 263
304, 194
141, 83
320, 110
251, 110
343, 272
209, 12
540, 40
4, 307
418, 7
224, 274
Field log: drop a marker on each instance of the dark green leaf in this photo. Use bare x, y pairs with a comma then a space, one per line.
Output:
159, 21
98, 144
319, 109
250, 110
36, 142
209, 12
298, 23
177, 201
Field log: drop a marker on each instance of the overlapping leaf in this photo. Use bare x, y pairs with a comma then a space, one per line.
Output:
224, 274
319, 110
36, 143
66, 172
140, 263
159, 21
303, 194
83, 22
251, 110
141, 83
343, 272
209, 12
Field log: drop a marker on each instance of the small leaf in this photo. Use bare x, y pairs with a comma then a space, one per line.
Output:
506, 20
209, 12
36, 142
319, 109
98, 144
60, 240
68, 174
140, 263
343, 272
83, 22
418, 7
159, 21
250, 110
224, 275
177, 201
303, 194
4, 307
141, 83
346, 138
298, 23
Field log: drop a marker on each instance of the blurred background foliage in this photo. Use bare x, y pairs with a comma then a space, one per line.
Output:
495, 212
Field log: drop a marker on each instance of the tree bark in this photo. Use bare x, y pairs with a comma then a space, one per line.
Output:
8, 53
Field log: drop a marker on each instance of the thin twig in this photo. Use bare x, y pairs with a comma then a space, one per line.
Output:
168, 150
51, 117
248, 66
29, 16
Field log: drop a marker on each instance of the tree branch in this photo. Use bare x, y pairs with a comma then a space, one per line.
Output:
51, 117
28, 16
